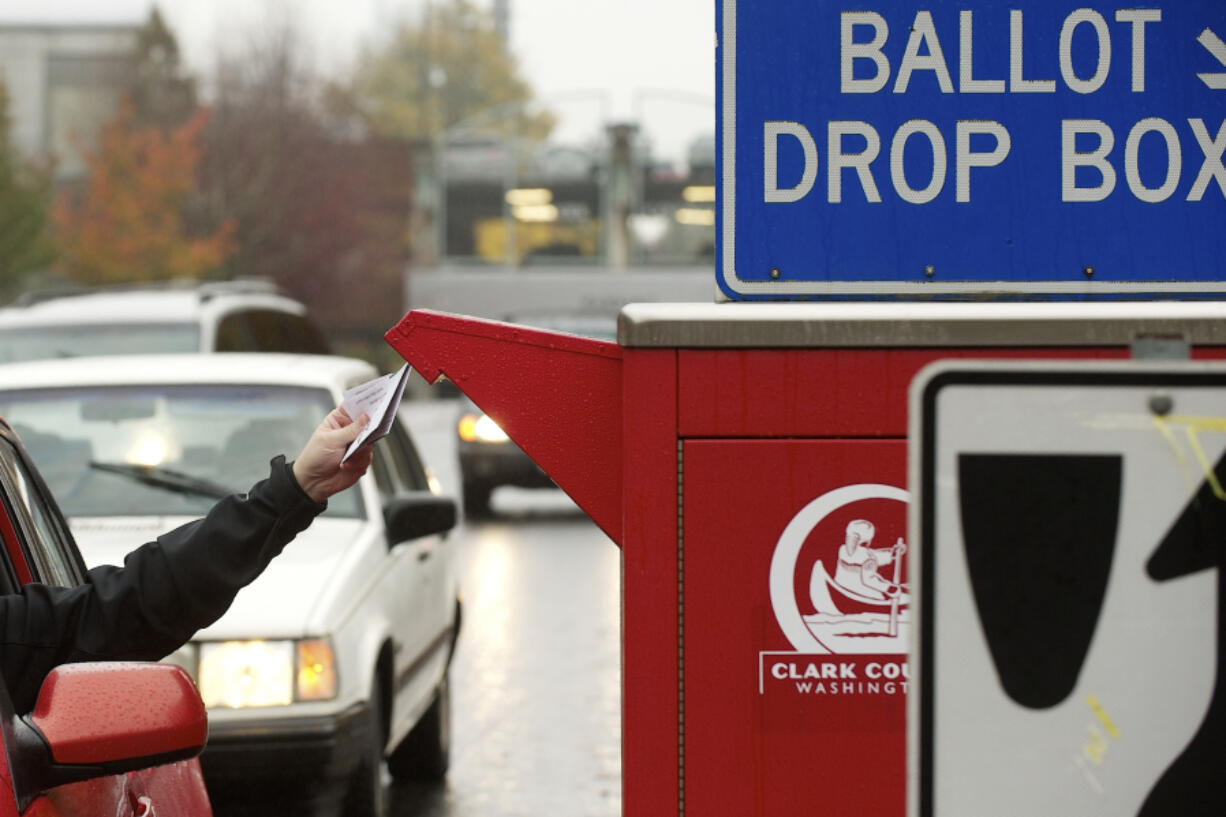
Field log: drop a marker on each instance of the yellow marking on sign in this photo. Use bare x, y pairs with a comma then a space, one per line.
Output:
1096, 748
1103, 717
1191, 425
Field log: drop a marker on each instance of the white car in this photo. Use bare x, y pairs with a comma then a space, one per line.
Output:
243, 315
334, 663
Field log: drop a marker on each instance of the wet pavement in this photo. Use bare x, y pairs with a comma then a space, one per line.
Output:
536, 678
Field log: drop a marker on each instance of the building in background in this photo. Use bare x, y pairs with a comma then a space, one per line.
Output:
520, 204
560, 236
65, 82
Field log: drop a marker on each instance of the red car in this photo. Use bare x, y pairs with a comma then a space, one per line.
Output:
104, 738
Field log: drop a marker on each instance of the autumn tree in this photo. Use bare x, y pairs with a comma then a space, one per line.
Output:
127, 222
25, 199
450, 67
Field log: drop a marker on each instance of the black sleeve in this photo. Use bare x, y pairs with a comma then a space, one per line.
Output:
165, 591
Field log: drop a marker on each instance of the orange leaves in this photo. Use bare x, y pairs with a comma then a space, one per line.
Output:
127, 222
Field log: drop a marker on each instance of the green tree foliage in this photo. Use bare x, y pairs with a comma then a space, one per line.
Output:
25, 200
451, 67
163, 93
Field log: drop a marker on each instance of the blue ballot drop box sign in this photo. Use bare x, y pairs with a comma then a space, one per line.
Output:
1040, 149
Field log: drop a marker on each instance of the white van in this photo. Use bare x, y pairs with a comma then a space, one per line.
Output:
245, 315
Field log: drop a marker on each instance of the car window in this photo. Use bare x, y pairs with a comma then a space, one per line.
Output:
269, 330
46, 542
8, 579
405, 460
233, 334
162, 449
397, 466
265, 328
8, 575
38, 343
302, 336
381, 468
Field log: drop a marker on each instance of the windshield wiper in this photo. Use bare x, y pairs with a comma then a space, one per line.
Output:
165, 478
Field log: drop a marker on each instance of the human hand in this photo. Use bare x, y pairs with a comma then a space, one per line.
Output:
319, 469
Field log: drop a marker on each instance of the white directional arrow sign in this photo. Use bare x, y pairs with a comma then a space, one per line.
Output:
1069, 533
1214, 45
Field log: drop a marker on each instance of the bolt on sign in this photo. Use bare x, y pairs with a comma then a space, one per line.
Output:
1037, 149
1069, 523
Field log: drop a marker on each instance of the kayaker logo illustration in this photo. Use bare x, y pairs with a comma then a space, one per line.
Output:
838, 577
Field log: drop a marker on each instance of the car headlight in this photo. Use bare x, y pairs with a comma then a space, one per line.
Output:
241, 674
480, 428
316, 670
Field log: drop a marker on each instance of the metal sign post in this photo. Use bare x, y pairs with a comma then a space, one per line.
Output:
1069, 525
1044, 149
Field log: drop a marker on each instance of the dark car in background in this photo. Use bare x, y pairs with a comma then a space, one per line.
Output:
488, 457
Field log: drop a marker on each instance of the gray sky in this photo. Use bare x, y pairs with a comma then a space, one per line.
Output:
589, 60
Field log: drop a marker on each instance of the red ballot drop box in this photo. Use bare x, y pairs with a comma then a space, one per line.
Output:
750, 461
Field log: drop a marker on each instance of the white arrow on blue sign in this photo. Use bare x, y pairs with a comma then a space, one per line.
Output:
1213, 43
1042, 149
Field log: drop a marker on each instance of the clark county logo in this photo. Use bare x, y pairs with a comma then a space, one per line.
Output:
838, 586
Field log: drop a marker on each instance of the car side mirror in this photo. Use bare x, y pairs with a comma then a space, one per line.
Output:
105, 718
420, 513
